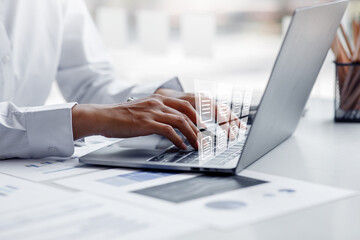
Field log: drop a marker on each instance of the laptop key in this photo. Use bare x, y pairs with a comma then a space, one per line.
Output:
176, 157
189, 158
162, 156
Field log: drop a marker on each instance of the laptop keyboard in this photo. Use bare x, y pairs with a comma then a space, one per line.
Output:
174, 155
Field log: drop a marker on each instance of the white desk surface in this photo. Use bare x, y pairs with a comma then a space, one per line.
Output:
320, 151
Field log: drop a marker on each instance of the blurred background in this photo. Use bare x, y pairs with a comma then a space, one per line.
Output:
214, 40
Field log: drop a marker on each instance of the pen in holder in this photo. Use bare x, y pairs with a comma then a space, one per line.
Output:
347, 92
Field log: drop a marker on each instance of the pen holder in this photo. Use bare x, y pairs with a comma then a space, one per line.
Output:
347, 92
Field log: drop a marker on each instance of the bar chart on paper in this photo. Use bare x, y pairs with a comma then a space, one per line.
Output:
53, 168
42, 170
13, 191
133, 177
6, 190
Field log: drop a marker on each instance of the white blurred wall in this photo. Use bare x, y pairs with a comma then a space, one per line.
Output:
196, 39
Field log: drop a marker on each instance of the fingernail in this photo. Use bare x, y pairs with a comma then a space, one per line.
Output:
183, 146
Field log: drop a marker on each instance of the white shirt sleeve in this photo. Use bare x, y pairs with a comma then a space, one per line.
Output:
85, 73
35, 132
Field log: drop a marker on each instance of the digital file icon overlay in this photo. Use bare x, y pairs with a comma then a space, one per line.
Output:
206, 106
224, 109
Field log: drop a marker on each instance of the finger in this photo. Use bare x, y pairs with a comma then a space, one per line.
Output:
228, 117
233, 116
168, 132
179, 122
174, 111
195, 130
225, 126
233, 131
224, 113
182, 106
190, 97
237, 122
168, 109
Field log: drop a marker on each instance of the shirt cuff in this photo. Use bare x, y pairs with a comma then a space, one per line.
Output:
173, 83
145, 90
50, 130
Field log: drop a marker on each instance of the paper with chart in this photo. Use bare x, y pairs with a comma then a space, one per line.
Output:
52, 168
222, 202
83, 216
116, 181
16, 193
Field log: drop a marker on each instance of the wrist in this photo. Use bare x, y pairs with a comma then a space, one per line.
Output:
190, 97
84, 121
168, 92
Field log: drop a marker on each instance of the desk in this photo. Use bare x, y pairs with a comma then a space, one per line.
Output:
320, 151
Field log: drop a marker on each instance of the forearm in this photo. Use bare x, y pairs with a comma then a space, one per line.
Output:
86, 120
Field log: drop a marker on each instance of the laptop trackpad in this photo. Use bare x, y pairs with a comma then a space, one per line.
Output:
123, 154
153, 141
138, 153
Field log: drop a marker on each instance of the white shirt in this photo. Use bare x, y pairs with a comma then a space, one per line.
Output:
42, 41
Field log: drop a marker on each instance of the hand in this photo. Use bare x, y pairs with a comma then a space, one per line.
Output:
228, 122
191, 98
152, 115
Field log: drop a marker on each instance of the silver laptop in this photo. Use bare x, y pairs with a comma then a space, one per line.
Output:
296, 68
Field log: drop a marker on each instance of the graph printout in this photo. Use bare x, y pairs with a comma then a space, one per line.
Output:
114, 181
83, 216
220, 201
53, 168
16, 193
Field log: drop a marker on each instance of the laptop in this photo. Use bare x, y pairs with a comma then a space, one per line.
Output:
296, 68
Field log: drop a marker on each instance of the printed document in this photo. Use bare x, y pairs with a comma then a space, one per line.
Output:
218, 201
83, 216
